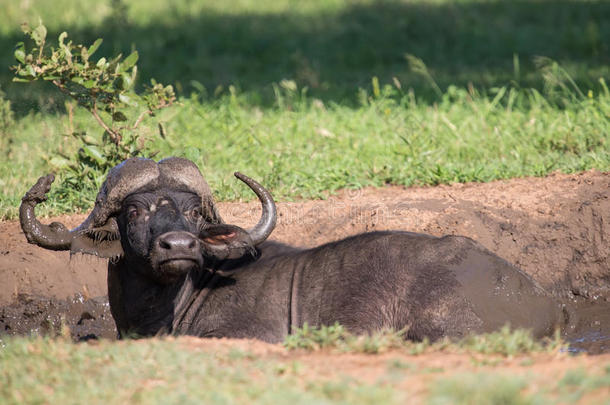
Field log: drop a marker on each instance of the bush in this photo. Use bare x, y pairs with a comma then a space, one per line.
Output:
105, 88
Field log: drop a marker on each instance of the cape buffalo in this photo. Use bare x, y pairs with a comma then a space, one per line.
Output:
176, 268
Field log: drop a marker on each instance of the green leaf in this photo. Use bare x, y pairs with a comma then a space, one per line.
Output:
127, 100
83, 54
21, 80
20, 52
89, 140
119, 116
129, 62
39, 35
62, 46
68, 54
118, 85
126, 81
29, 71
89, 84
134, 73
59, 162
94, 153
94, 47
107, 87
77, 79
101, 62
113, 65
25, 27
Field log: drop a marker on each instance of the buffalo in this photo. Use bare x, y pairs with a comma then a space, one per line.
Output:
175, 267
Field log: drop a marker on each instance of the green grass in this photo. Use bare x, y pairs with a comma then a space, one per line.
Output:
505, 342
169, 371
504, 388
333, 47
305, 148
163, 372
335, 337
479, 389
311, 97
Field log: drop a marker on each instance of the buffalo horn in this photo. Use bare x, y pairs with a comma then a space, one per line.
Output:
266, 224
54, 236
122, 179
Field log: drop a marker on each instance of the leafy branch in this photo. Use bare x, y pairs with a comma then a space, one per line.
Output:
104, 87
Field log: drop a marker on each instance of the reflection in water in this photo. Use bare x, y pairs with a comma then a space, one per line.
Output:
588, 327
592, 343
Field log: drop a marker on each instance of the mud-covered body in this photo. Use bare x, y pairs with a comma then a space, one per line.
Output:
430, 287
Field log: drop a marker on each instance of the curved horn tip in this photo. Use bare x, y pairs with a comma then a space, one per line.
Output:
38, 192
54, 236
266, 224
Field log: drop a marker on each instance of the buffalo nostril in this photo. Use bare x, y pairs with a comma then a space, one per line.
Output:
177, 241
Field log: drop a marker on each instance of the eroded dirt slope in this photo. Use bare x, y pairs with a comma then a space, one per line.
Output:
555, 228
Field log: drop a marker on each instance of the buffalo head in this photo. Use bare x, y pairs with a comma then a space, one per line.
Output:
158, 216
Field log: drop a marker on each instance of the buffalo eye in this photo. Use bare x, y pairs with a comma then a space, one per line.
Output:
195, 214
132, 213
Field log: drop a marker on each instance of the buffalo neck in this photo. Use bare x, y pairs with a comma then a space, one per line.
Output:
144, 307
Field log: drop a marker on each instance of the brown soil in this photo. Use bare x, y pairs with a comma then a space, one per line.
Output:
556, 228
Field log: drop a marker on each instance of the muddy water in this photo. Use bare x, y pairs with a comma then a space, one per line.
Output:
588, 326
33, 315
587, 330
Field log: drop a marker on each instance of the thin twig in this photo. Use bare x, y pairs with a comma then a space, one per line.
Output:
70, 108
140, 118
116, 138
40, 51
60, 86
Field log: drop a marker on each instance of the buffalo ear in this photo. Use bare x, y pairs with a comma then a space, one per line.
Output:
226, 242
103, 241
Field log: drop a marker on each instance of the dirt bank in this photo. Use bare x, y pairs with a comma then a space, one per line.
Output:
555, 228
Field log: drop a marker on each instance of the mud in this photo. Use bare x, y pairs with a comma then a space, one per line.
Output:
555, 228
83, 319
588, 326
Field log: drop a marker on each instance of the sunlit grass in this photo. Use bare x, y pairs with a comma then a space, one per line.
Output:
304, 148
163, 372
505, 342
185, 370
